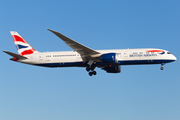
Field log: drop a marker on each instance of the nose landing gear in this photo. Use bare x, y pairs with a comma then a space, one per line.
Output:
162, 64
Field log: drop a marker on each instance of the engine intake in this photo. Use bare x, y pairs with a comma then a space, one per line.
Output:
109, 58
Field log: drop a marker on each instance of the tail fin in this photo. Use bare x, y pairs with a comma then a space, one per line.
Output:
23, 47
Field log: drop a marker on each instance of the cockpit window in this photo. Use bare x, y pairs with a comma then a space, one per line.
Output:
168, 53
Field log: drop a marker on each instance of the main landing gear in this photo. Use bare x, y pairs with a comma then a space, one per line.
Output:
92, 71
162, 64
91, 67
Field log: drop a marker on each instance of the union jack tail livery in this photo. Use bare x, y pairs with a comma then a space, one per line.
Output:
23, 47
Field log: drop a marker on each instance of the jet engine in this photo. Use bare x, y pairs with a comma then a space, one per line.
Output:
116, 69
109, 58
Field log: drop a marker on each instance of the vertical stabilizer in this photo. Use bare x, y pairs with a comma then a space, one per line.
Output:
23, 47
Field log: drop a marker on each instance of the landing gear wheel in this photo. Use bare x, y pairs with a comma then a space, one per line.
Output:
90, 73
94, 72
88, 69
162, 64
162, 68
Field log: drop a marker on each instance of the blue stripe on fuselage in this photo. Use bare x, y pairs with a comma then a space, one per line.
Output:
101, 64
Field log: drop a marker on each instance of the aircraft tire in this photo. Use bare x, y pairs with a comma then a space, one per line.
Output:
94, 72
162, 68
88, 69
90, 73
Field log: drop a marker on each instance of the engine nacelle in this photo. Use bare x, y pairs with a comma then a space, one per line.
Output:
116, 69
109, 58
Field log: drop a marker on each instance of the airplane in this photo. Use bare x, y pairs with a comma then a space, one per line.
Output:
82, 56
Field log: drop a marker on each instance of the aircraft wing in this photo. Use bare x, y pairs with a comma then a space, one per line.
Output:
85, 52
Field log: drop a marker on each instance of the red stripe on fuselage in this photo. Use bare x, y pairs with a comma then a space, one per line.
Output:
155, 51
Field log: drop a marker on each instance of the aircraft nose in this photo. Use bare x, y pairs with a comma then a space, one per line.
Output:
174, 58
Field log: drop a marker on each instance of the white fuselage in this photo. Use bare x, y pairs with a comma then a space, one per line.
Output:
82, 56
124, 57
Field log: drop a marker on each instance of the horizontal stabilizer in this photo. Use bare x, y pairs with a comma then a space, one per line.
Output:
15, 55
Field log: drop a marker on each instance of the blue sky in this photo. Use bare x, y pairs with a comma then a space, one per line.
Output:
137, 93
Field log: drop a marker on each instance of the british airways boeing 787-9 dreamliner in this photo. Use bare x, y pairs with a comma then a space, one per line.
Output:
82, 56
